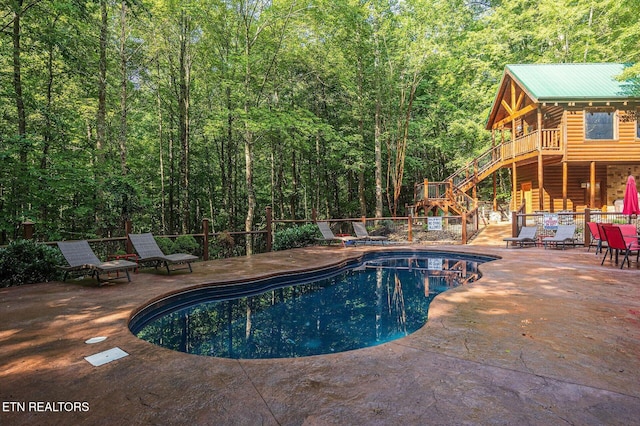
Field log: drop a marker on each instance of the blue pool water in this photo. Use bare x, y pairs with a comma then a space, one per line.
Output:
381, 297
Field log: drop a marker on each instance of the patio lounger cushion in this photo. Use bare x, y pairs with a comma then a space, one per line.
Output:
79, 256
148, 251
527, 235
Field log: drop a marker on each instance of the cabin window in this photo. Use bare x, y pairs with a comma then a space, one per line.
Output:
599, 124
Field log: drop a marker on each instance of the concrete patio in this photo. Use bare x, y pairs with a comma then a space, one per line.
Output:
544, 337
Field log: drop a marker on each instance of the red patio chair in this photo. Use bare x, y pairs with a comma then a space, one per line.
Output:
629, 233
595, 237
616, 241
603, 240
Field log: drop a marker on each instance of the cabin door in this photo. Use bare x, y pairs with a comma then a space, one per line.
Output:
527, 197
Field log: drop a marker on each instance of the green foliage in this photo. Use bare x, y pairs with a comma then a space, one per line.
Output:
223, 246
186, 244
26, 262
165, 244
297, 236
182, 244
308, 90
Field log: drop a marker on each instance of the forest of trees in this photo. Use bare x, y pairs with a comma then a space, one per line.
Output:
165, 112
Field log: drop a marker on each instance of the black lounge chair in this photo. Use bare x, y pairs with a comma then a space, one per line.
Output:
148, 251
80, 257
362, 234
527, 235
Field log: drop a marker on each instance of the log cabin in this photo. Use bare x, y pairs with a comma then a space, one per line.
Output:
570, 134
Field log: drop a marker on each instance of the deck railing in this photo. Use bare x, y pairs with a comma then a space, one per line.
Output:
579, 219
545, 140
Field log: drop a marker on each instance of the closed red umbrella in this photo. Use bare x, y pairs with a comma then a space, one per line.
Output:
630, 205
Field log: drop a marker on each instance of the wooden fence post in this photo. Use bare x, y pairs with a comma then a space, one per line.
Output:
410, 229
269, 220
514, 224
127, 231
27, 229
205, 240
587, 231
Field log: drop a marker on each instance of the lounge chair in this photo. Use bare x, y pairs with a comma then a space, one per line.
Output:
564, 234
617, 241
329, 237
80, 257
363, 235
527, 235
148, 251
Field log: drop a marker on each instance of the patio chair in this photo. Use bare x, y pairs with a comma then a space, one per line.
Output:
629, 233
596, 238
527, 235
603, 240
79, 256
148, 251
564, 234
329, 237
361, 232
616, 241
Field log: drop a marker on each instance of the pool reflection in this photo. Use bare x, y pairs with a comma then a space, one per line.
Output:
377, 302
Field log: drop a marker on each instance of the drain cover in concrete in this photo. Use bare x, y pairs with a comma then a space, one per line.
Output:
106, 356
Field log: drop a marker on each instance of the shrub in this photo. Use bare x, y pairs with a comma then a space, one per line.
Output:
223, 246
26, 262
298, 236
186, 244
165, 244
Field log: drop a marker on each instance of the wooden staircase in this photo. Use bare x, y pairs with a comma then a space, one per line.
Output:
451, 194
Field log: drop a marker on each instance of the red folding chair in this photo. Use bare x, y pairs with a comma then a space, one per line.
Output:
595, 237
616, 241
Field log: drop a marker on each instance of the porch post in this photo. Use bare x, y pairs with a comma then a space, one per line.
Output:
592, 185
565, 178
540, 181
495, 193
514, 186
540, 162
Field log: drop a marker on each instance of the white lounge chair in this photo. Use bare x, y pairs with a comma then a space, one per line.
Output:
527, 235
329, 237
564, 234
361, 232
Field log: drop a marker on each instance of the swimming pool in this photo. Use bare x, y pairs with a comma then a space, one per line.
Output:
378, 298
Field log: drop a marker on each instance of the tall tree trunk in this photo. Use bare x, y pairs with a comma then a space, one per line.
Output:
101, 118
248, 149
377, 132
17, 78
183, 111
122, 137
163, 217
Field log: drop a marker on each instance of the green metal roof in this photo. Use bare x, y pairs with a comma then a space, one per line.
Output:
546, 82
